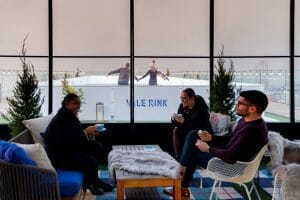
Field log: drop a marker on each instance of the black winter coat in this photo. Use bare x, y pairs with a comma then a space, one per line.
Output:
196, 118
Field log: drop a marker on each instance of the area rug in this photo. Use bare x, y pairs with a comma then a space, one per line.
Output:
225, 192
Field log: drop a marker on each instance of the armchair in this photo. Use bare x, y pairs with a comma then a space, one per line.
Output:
20, 181
239, 172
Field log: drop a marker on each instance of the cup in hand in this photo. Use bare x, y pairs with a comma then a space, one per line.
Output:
176, 116
99, 127
173, 117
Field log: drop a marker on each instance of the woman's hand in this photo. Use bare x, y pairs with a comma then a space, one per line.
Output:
179, 118
204, 136
91, 130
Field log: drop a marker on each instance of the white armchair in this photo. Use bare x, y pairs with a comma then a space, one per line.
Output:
239, 172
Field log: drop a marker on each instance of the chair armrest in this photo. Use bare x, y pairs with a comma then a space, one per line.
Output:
24, 138
27, 182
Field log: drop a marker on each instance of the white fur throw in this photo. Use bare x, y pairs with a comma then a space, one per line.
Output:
155, 162
282, 150
290, 176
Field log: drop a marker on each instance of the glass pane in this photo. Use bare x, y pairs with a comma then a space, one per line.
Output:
297, 27
171, 27
297, 89
270, 75
19, 18
104, 99
252, 27
91, 28
157, 102
9, 70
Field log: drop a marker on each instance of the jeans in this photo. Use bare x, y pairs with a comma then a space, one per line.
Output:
191, 157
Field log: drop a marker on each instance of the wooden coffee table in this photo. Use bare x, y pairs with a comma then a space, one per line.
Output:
131, 180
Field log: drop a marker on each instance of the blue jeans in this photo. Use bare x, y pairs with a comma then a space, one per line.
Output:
192, 157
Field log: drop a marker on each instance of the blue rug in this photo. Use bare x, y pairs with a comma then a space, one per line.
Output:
225, 192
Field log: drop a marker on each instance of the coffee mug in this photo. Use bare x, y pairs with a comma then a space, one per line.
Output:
99, 127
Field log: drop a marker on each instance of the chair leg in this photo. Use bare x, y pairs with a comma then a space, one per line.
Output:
201, 182
247, 191
212, 190
256, 191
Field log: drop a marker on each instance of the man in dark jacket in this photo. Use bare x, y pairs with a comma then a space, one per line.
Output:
249, 136
68, 145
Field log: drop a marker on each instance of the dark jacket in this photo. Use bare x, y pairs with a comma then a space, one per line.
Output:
196, 118
64, 134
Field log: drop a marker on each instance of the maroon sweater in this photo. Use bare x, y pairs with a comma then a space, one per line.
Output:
248, 138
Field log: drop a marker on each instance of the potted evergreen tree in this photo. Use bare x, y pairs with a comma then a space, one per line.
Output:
222, 94
26, 101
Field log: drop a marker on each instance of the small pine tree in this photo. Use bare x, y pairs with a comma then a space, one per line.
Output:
26, 101
67, 89
222, 95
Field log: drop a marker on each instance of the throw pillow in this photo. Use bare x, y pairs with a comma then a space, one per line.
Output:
220, 123
12, 153
37, 153
36, 126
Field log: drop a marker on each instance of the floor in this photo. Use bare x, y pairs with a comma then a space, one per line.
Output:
227, 191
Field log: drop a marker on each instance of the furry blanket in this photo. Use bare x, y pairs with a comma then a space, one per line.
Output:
289, 176
282, 150
155, 162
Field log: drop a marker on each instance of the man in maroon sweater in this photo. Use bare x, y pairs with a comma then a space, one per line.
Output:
249, 136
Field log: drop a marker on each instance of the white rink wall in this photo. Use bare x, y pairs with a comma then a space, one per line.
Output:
152, 103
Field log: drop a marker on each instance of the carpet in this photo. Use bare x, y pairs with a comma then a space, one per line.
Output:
225, 192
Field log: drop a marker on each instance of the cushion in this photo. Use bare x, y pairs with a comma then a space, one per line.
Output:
36, 126
220, 123
37, 153
69, 182
290, 175
12, 153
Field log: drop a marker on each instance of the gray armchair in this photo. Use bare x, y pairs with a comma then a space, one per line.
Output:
27, 182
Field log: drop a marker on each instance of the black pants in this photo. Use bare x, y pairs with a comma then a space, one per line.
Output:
86, 161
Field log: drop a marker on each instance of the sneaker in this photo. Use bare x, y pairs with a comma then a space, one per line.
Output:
93, 189
185, 192
104, 186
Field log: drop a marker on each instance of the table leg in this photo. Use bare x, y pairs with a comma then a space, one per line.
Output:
120, 190
177, 189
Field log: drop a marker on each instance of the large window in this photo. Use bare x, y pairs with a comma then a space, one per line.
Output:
270, 75
171, 28
297, 61
164, 29
93, 28
99, 30
92, 41
254, 28
19, 19
103, 98
156, 103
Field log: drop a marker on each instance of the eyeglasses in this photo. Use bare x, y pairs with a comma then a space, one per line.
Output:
244, 104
